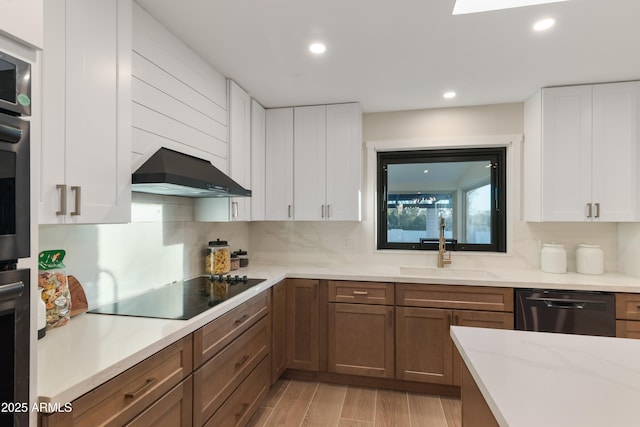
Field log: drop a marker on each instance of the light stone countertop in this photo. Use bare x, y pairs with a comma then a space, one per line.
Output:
93, 348
547, 379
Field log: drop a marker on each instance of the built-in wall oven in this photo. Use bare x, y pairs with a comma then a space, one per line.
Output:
15, 101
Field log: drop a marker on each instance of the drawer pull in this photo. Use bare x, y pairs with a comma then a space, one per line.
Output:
242, 361
360, 293
135, 394
242, 319
243, 409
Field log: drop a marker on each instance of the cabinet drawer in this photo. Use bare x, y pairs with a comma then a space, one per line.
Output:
361, 292
212, 338
171, 410
125, 396
627, 329
454, 296
217, 378
628, 306
240, 406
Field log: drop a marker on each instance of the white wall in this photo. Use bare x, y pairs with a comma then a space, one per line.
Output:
327, 243
629, 249
161, 245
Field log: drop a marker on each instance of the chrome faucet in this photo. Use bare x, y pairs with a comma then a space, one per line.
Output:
442, 249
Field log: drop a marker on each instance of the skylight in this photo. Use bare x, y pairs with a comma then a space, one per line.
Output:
474, 6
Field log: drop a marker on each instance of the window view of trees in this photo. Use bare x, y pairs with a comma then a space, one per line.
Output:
463, 186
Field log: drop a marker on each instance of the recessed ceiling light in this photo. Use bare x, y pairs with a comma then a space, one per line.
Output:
544, 24
449, 95
426, 171
472, 6
317, 48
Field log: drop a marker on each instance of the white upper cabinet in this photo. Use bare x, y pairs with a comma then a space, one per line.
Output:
309, 162
240, 148
22, 20
344, 162
581, 153
327, 166
86, 143
258, 129
279, 164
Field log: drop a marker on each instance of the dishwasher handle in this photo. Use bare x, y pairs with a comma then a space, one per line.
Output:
564, 303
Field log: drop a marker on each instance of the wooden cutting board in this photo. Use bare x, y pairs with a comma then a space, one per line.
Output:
78, 298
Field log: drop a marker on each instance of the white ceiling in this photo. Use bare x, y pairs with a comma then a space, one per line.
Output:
404, 54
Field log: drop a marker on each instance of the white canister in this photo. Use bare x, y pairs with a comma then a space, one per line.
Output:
589, 259
553, 258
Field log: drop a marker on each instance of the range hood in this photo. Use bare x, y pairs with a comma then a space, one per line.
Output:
171, 173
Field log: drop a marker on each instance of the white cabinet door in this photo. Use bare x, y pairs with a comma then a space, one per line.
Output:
279, 164
310, 163
582, 154
566, 153
23, 20
344, 162
88, 112
257, 161
240, 148
616, 152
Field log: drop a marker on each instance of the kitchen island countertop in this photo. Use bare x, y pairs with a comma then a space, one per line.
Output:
546, 379
93, 348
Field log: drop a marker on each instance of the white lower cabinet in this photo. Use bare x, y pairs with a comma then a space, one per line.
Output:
86, 143
582, 153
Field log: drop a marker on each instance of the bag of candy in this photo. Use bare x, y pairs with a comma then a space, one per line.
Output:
52, 280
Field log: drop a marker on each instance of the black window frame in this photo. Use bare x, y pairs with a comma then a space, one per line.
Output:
498, 158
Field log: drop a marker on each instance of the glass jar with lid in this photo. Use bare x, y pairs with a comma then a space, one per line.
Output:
218, 257
244, 258
235, 261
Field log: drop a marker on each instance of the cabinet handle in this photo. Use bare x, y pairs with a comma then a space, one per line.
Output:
78, 198
234, 209
328, 211
449, 319
63, 199
390, 321
360, 293
242, 361
289, 210
322, 211
243, 409
135, 394
589, 210
455, 319
597, 210
242, 319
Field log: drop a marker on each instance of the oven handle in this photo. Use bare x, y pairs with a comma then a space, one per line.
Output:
11, 291
564, 303
10, 134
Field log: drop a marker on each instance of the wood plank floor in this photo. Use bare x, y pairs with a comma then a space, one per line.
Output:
298, 403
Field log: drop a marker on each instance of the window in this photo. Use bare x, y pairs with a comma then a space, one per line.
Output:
466, 187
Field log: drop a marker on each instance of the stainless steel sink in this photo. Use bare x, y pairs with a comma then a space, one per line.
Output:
446, 273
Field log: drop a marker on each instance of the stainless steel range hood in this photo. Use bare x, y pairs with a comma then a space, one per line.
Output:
171, 173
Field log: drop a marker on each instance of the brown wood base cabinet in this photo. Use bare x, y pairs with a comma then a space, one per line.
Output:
361, 340
278, 330
303, 324
424, 314
361, 332
628, 316
136, 394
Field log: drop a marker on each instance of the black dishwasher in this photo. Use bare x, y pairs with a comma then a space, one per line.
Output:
567, 312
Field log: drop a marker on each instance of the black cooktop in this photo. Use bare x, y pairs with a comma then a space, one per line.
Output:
181, 300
